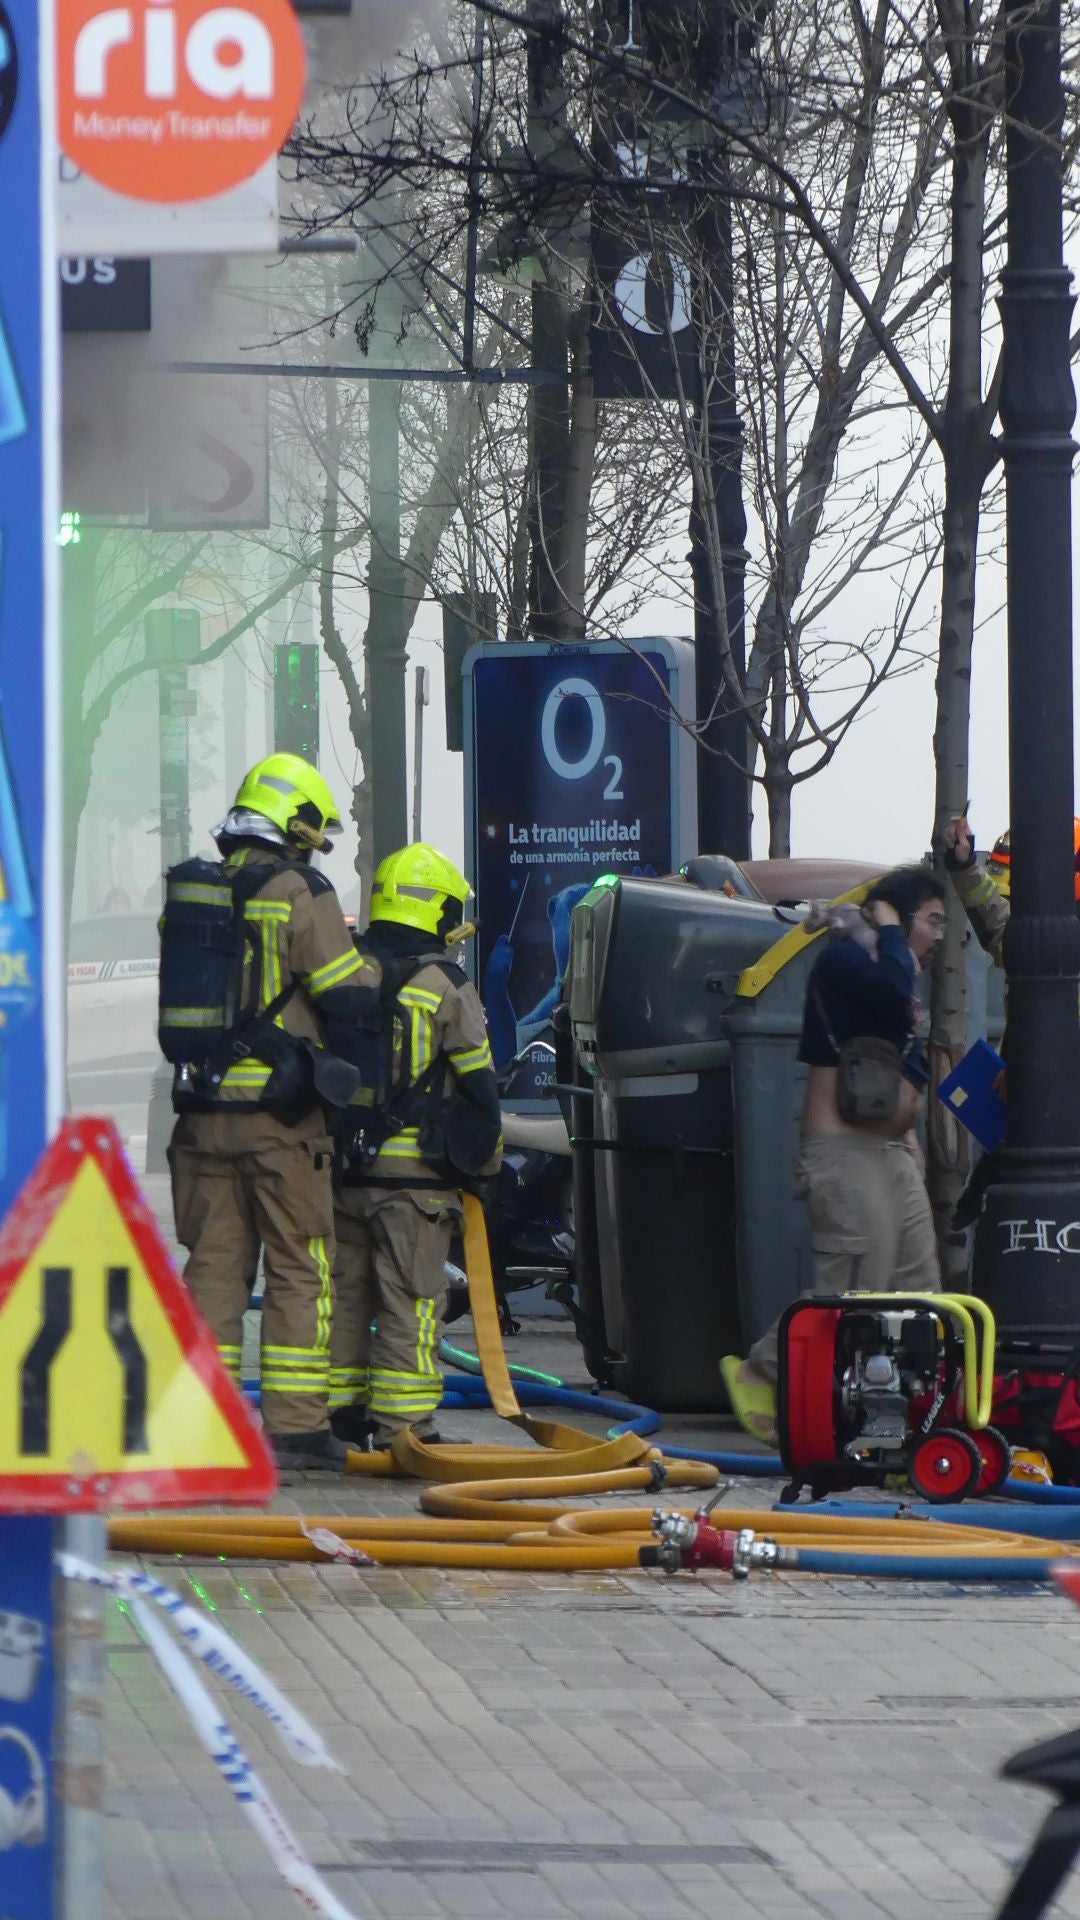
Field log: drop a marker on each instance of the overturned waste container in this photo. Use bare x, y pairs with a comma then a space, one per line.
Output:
686, 1010
653, 967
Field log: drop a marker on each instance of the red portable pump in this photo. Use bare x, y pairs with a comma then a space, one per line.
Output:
877, 1387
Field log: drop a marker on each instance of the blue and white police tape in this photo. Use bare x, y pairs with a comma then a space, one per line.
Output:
217, 1650
221, 1653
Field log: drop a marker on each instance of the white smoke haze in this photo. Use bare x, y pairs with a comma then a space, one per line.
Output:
346, 50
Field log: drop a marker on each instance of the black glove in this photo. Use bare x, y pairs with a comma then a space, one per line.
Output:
953, 861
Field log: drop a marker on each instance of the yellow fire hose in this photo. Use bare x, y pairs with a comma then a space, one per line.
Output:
486, 1514
542, 1537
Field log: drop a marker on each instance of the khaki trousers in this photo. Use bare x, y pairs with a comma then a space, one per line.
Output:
245, 1181
872, 1230
390, 1291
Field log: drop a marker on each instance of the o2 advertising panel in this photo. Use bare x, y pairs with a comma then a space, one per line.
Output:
577, 767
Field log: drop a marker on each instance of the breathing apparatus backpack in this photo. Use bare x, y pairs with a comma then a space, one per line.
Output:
390, 1099
205, 942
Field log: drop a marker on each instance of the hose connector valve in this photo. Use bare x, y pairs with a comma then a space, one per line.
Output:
693, 1543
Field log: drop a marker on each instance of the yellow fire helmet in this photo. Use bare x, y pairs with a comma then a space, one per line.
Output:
293, 795
419, 887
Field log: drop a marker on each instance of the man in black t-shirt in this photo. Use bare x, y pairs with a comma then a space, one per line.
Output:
871, 1223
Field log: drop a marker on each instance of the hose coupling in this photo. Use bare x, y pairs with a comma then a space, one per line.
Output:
675, 1535
658, 1475
693, 1543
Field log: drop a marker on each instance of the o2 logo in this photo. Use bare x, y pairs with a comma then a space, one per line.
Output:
9, 69
557, 708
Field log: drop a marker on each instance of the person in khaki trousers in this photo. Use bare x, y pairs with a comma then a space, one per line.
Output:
871, 1225
396, 1206
250, 1155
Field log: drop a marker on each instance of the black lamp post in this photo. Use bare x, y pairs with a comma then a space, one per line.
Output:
725, 753
1027, 1248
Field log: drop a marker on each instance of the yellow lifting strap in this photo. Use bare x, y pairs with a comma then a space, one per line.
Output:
763, 971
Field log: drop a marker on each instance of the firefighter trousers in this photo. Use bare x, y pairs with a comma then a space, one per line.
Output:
871, 1225
244, 1181
390, 1293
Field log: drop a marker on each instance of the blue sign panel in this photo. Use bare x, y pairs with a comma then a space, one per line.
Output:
576, 766
28, 530
27, 1714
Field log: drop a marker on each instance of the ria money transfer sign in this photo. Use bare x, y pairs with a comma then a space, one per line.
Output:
174, 100
576, 766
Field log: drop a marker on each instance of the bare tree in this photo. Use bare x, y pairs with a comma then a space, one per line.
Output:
517, 160
864, 173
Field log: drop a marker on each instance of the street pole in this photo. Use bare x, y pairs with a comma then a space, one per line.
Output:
1028, 1236
384, 646
173, 641
723, 758
420, 700
549, 398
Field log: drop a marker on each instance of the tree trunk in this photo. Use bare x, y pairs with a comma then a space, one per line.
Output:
966, 448
778, 788
337, 652
550, 403
947, 1156
387, 632
779, 781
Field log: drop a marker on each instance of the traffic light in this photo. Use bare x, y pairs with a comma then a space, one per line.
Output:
70, 533
296, 699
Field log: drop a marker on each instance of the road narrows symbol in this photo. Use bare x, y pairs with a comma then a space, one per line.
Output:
132, 1359
37, 1366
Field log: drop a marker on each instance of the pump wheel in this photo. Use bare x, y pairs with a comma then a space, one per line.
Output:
996, 1456
946, 1465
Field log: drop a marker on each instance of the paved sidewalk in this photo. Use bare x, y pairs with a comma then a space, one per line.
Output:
599, 1746
544, 1746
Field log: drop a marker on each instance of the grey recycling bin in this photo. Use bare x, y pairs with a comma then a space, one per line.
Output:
653, 965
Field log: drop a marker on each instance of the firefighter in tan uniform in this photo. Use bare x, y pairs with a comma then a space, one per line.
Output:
435, 1127
256, 956
984, 887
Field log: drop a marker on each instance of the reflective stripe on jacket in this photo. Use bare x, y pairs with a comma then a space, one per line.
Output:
986, 907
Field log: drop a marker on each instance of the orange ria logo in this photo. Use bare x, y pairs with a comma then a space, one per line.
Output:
175, 99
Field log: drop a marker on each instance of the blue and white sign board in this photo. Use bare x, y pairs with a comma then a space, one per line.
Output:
31, 1063
27, 1714
31, 972
576, 765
